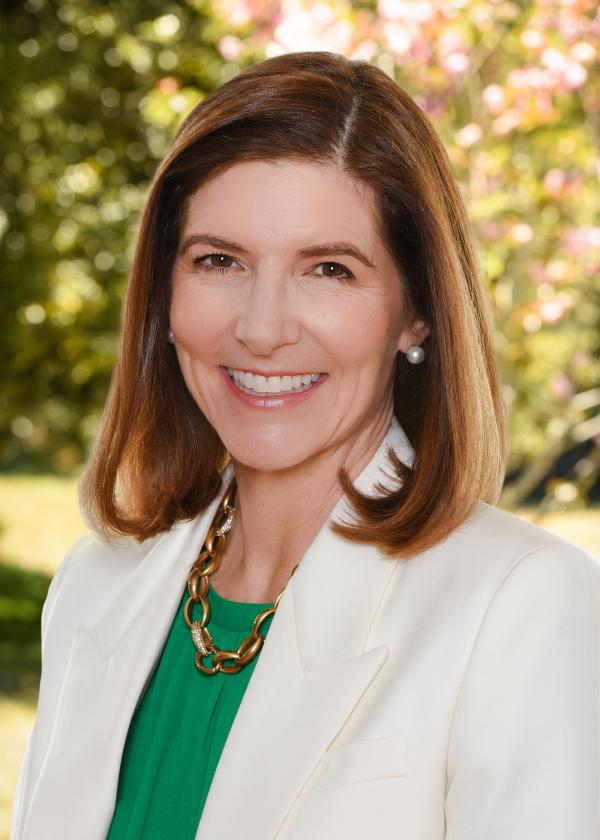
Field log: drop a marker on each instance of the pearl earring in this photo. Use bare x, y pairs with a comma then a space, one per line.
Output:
171, 337
415, 354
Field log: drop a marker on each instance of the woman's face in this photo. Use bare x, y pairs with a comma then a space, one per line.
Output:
266, 306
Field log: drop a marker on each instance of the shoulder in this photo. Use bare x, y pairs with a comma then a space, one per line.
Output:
539, 569
95, 569
522, 542
492, 542
497, 562
91, 571
93, 556
528, 571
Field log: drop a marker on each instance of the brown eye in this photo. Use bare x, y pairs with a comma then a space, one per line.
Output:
347, 275
208, 267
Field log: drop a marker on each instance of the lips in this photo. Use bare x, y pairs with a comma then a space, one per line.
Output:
272, 393
272, 399
260, 384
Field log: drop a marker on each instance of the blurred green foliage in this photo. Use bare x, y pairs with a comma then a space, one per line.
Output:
87, 113
95, 91
23, 595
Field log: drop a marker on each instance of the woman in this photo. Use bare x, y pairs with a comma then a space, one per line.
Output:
303, 443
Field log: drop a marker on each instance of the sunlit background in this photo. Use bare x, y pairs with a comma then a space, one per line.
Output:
92, 95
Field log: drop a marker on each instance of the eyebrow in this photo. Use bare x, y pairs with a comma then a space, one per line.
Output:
324, 249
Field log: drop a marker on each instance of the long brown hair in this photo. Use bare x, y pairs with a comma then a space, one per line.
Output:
157, 460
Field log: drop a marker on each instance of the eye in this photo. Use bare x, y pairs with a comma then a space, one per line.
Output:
198, 261
347, 276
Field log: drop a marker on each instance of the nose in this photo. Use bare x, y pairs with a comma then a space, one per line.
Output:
266, 318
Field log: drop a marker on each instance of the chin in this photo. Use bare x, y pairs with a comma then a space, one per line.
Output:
266, 458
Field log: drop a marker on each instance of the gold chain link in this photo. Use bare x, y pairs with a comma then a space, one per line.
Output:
208, 561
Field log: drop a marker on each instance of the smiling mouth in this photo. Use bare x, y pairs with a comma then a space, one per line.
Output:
264, 386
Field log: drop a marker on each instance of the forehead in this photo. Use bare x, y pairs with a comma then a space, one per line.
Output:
281, 201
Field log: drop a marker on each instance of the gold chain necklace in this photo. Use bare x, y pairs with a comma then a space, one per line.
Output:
208, 561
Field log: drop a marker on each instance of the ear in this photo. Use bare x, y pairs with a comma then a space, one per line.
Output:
415, 333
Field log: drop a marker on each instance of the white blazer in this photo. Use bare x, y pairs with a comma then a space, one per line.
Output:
453, 696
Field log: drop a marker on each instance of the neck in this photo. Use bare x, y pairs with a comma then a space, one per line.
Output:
279, 513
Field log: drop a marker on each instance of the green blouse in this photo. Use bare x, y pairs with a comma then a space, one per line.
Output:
179, 728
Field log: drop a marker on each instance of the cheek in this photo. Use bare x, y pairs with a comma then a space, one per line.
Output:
195, 319
358, 334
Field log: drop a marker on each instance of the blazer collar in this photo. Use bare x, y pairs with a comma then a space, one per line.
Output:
338, 582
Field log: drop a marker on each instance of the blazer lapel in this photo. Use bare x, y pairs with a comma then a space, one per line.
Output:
314, 667
109, 665
300, 694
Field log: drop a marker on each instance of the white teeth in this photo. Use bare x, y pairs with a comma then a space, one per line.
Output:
271, 384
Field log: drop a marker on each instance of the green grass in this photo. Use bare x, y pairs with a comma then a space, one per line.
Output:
39, 519
16, 722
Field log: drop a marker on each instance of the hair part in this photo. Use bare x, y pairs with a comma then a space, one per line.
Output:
157, 459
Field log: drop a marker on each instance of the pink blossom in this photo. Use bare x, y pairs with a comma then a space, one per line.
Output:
574, 75
532, 77
560, 271
365, 51
507, 121
517, 78
553, 59
552, 310
491, 230
469, 134
578, 241
583, 51
533, 39
580, 358
592, 235
397, 37
434, 107
494, 99
544, 105
418, 11
237, 12
230, 47
455, 62
558, 183
538, 273
314, 27
521, 233
561, 386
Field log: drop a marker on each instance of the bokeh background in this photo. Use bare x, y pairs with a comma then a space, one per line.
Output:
92, 94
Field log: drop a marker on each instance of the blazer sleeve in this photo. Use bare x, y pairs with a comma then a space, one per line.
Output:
524, 750
23, 779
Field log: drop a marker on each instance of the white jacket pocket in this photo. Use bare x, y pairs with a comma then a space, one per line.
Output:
359, 761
